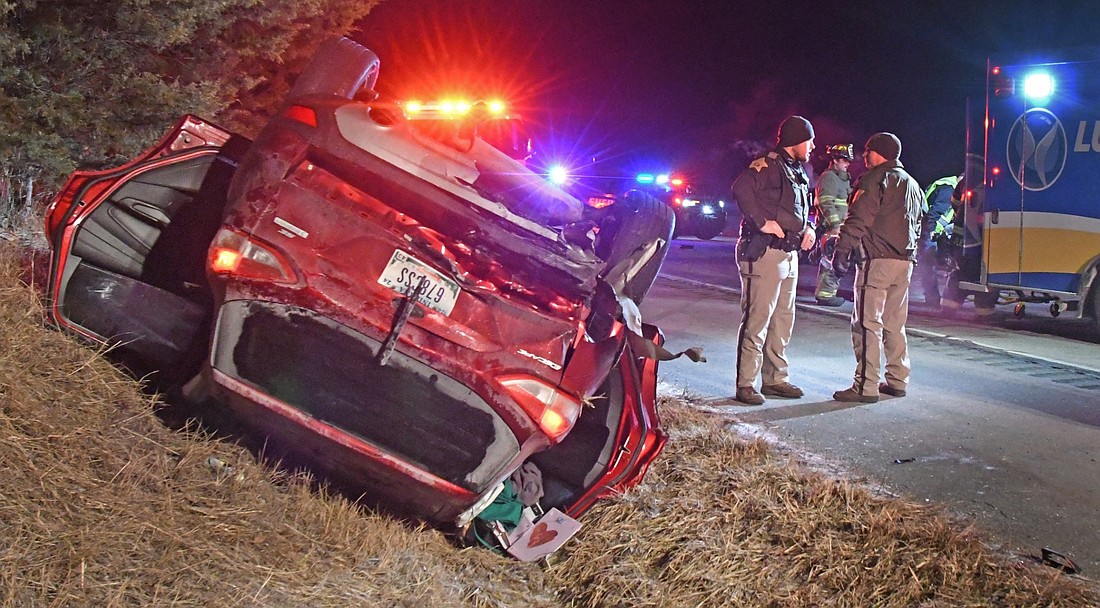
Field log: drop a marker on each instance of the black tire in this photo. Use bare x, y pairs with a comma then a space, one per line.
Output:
637, 220
1093, 309
708, 227
340, 67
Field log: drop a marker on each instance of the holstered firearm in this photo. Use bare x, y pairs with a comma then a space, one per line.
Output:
752, 245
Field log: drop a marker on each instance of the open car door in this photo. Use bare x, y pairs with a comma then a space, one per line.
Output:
129, 247
617, 436
639, 438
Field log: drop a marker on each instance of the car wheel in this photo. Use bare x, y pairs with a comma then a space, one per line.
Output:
340, 67
1094, 302
710, 227
639, 226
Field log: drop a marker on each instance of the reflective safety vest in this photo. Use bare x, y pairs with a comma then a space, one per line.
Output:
943, 223
944, 214
950, 180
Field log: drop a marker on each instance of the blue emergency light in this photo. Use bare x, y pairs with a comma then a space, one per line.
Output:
558, 174
1038, 86
646, 178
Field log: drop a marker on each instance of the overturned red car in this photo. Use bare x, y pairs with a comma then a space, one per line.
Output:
394, 301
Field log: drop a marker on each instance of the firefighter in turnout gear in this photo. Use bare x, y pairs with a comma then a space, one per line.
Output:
833, 188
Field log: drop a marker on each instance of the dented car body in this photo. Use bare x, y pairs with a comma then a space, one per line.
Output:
401, 306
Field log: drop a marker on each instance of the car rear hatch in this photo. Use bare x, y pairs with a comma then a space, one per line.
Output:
361, 222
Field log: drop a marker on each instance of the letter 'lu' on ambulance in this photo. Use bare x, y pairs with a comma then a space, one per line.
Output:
1083, 143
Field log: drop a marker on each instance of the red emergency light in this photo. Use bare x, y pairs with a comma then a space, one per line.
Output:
1002, 85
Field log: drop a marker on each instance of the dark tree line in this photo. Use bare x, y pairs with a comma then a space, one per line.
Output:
89, 83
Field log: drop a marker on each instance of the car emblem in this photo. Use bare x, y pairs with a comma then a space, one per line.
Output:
1037, 149
542, 360
289, 230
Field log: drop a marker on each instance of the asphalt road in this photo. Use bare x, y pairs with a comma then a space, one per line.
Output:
1001, 423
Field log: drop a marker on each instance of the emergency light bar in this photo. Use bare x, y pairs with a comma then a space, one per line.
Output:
450, 108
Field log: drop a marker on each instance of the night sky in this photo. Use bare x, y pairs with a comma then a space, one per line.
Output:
696, 86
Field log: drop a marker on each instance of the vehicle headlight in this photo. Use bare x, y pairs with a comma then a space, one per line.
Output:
689, 202
708, 209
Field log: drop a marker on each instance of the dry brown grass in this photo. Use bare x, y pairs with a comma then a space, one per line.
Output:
101, 505
726, 522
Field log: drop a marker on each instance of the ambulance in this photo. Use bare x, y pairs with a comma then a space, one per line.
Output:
1041, 207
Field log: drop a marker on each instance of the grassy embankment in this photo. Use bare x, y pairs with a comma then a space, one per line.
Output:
102, 505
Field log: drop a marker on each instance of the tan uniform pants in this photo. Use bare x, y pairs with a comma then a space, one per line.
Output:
879, 314
767, 317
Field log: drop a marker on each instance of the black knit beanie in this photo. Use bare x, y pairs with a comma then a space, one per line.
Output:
886, 144
794, 131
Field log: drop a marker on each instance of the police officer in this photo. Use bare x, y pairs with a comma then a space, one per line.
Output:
833, 188
883, 225
773, 195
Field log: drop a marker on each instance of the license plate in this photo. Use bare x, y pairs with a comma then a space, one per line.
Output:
403, 273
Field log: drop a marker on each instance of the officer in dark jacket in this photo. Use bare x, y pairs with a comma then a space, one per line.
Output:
882, 228
773, 195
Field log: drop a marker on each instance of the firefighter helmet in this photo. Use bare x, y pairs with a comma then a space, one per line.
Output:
843, 151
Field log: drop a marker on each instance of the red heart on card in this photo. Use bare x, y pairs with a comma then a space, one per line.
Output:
541, 535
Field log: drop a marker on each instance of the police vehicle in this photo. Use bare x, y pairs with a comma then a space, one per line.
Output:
703, 217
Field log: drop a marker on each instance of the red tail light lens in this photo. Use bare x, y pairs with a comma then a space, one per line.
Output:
233, 253
302, 114
554, 411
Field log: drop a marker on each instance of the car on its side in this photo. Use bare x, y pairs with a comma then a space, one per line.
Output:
395, 302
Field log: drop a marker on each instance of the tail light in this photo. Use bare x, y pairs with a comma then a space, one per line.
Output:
233, 253
302, 114
554, 410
